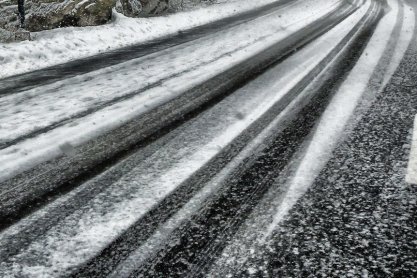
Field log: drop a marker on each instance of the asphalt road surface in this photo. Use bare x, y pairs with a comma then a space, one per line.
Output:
287, 160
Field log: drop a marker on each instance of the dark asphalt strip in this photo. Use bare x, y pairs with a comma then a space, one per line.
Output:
52, 74
194, 246
132, 239
33, 189
359, 218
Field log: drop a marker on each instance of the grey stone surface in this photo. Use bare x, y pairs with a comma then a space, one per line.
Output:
144, 8
51, 14
48, 15
9, 23
6, 36
8, 19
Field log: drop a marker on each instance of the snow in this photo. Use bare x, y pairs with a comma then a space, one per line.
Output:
84, 233
334, 121
402, 43
115, 92
267, 82
412, 163
58, 46
255, 229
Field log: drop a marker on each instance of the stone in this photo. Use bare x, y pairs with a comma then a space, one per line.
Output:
50, 14
45, 15
6, 36
9, 23
9, 19
154, 7
142, 8
130, 8
21, 35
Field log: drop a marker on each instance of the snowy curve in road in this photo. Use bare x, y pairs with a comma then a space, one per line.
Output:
124, 202
46, 105
74, 110
157, 240
40, 185
139, 215
214, 146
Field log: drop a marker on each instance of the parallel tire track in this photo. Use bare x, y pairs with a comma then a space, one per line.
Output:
130, 240
201, 239
31, 190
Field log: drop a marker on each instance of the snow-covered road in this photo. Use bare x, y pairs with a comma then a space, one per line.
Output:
188, 158
77, 109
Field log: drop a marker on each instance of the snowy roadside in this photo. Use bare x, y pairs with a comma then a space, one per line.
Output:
58, 46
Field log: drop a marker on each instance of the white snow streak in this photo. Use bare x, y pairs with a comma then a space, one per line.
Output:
412, 163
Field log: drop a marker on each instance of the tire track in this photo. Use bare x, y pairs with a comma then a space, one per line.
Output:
130, 240
201, 239
64, 174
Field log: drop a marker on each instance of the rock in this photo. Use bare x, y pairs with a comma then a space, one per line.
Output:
178, 5
130, 8
9, 19
6, 36
9, 24
13, 36
154, 7
48, 15
21, 35
142, 8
